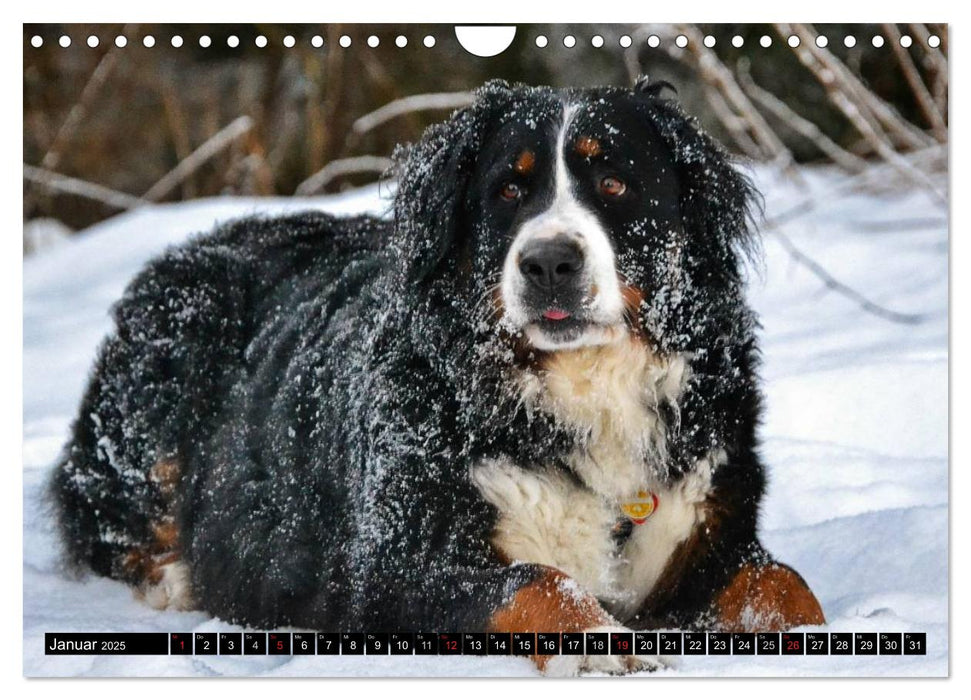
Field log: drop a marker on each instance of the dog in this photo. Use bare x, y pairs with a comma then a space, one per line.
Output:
526, 401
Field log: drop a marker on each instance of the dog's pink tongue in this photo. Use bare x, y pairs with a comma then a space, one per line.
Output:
555, 314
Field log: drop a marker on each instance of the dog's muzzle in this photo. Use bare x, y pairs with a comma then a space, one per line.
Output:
551, 265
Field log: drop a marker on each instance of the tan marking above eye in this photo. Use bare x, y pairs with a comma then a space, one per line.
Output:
587, 146
525, 162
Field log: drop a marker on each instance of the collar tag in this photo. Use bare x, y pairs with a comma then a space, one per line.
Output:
640, 509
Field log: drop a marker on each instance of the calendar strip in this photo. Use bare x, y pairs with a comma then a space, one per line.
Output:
487, 644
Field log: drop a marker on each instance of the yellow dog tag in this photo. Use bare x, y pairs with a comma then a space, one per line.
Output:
640, 509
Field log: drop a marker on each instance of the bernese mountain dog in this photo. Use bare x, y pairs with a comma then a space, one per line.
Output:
526, 401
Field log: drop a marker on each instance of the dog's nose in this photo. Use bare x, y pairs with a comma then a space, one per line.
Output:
551, 263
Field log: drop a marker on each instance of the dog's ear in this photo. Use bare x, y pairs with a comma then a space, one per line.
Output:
719, 203
653, 88
433, 176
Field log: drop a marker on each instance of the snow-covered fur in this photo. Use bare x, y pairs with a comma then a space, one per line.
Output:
298, 410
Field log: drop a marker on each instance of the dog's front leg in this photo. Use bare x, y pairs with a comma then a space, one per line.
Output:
553, 602
767, 597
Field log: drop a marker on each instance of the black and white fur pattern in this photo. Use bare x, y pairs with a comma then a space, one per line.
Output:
566, 214
399, 425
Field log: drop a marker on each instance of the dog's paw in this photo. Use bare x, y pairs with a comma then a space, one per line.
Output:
172, 591
612, 664
568, 666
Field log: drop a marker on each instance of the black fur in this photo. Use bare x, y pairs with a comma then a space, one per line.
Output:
325, 384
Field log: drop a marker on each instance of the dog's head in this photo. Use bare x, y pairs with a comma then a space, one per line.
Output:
569, 218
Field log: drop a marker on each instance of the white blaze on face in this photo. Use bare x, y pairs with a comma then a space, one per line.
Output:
603, 307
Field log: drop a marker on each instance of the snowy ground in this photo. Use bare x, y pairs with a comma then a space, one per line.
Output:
855, 435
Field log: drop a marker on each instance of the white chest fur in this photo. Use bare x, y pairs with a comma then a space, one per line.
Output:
609, 395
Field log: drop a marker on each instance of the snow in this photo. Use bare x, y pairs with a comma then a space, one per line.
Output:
855, 435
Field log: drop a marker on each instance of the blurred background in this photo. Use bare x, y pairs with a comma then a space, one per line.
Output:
264, 110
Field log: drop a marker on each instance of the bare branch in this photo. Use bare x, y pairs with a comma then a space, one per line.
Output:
215, 144
871, 107
413, 103
844, 289
334, 76
925, 158
896, 225
846, 160
338, 168
64, 184
838, 92
76, 115
178, 126
717, 74
253, 175
921, 93
732, 122
935, 61
79, 111
941, 31
829, 76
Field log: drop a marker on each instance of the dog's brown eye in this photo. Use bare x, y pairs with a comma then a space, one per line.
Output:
510, 191
612, 186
